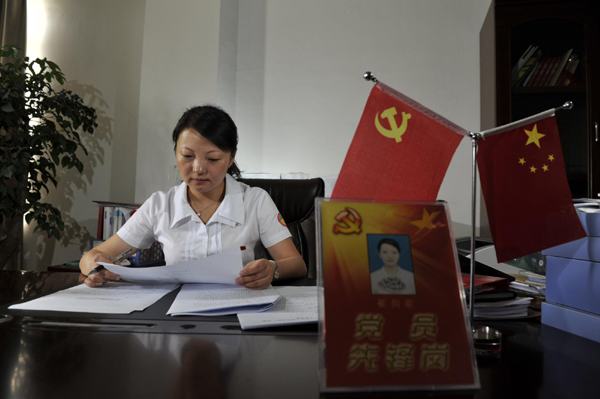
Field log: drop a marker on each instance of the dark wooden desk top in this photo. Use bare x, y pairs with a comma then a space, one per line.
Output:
149, 355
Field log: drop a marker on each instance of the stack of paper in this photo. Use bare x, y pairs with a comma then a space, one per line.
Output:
221, 299
298, 305
113, 297
503, 309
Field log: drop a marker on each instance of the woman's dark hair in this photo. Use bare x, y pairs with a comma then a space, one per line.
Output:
213, 124
389, 241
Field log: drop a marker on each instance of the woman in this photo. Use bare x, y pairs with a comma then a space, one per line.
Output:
208, 213
391, 279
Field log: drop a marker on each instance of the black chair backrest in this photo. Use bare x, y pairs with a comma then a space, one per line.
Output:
295, 199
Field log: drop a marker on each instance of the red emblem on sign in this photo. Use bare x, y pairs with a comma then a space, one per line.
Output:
349, 222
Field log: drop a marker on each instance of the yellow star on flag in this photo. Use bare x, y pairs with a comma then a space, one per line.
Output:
545, 167
551, 157
534, 136
522, 161
426, 221
533, 169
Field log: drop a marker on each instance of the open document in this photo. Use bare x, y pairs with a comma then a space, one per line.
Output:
221, 299
298, 305
113, 297
221, 268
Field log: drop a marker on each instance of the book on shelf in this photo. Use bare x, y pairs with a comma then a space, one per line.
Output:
567, 76
561, 65
531, 73
107, 222
534, 69
540, 71
112, 216
524, 71
521, 62
553, 65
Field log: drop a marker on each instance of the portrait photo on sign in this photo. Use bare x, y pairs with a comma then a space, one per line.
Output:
391, 265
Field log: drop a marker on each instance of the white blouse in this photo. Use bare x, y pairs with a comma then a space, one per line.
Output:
246, 216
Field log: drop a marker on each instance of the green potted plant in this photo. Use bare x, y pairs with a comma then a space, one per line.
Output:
39, 131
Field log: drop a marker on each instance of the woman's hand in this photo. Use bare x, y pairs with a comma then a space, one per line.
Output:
103, 276
104, 252
257, 275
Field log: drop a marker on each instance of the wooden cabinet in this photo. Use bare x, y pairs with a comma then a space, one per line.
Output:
555, 27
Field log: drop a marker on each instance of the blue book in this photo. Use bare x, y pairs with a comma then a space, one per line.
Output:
587, 248
578, 322
590, 222
573, 283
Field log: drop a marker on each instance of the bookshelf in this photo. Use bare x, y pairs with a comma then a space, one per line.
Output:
557, 29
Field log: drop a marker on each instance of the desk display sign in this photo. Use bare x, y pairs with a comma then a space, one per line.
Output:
392, 309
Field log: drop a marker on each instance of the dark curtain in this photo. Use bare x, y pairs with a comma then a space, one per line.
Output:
13, 24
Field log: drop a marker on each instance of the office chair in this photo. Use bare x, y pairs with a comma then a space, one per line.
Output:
295, 199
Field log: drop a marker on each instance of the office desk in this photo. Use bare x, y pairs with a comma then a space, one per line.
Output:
150, 355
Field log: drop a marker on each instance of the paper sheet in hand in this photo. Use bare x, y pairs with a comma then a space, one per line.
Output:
220, 299
298, 305
113, 297
221, 268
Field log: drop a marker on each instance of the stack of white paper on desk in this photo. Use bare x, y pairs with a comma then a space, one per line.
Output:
502, 309
298, 305
113, 297
221, 299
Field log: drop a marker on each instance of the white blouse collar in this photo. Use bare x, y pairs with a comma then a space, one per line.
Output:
231, 211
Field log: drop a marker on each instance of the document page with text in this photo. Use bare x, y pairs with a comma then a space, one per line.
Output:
221, 268
113, 297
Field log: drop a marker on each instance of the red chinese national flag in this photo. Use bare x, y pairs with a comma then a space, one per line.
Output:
400, 151
526, 192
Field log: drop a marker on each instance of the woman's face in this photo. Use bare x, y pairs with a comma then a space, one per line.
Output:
202, 165
389, 254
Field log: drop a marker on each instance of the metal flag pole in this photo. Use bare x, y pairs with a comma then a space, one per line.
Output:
474, 138
486, 340
525, 121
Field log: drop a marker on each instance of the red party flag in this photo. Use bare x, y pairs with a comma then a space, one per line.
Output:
526, 191
400, 151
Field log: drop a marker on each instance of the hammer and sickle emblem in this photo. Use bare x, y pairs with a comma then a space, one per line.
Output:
395, 132
349, 222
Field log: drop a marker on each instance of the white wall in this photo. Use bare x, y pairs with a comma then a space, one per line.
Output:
303, 63
290, 73
179, 70
228, 52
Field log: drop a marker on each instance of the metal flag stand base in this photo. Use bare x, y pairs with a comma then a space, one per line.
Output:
487, 340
